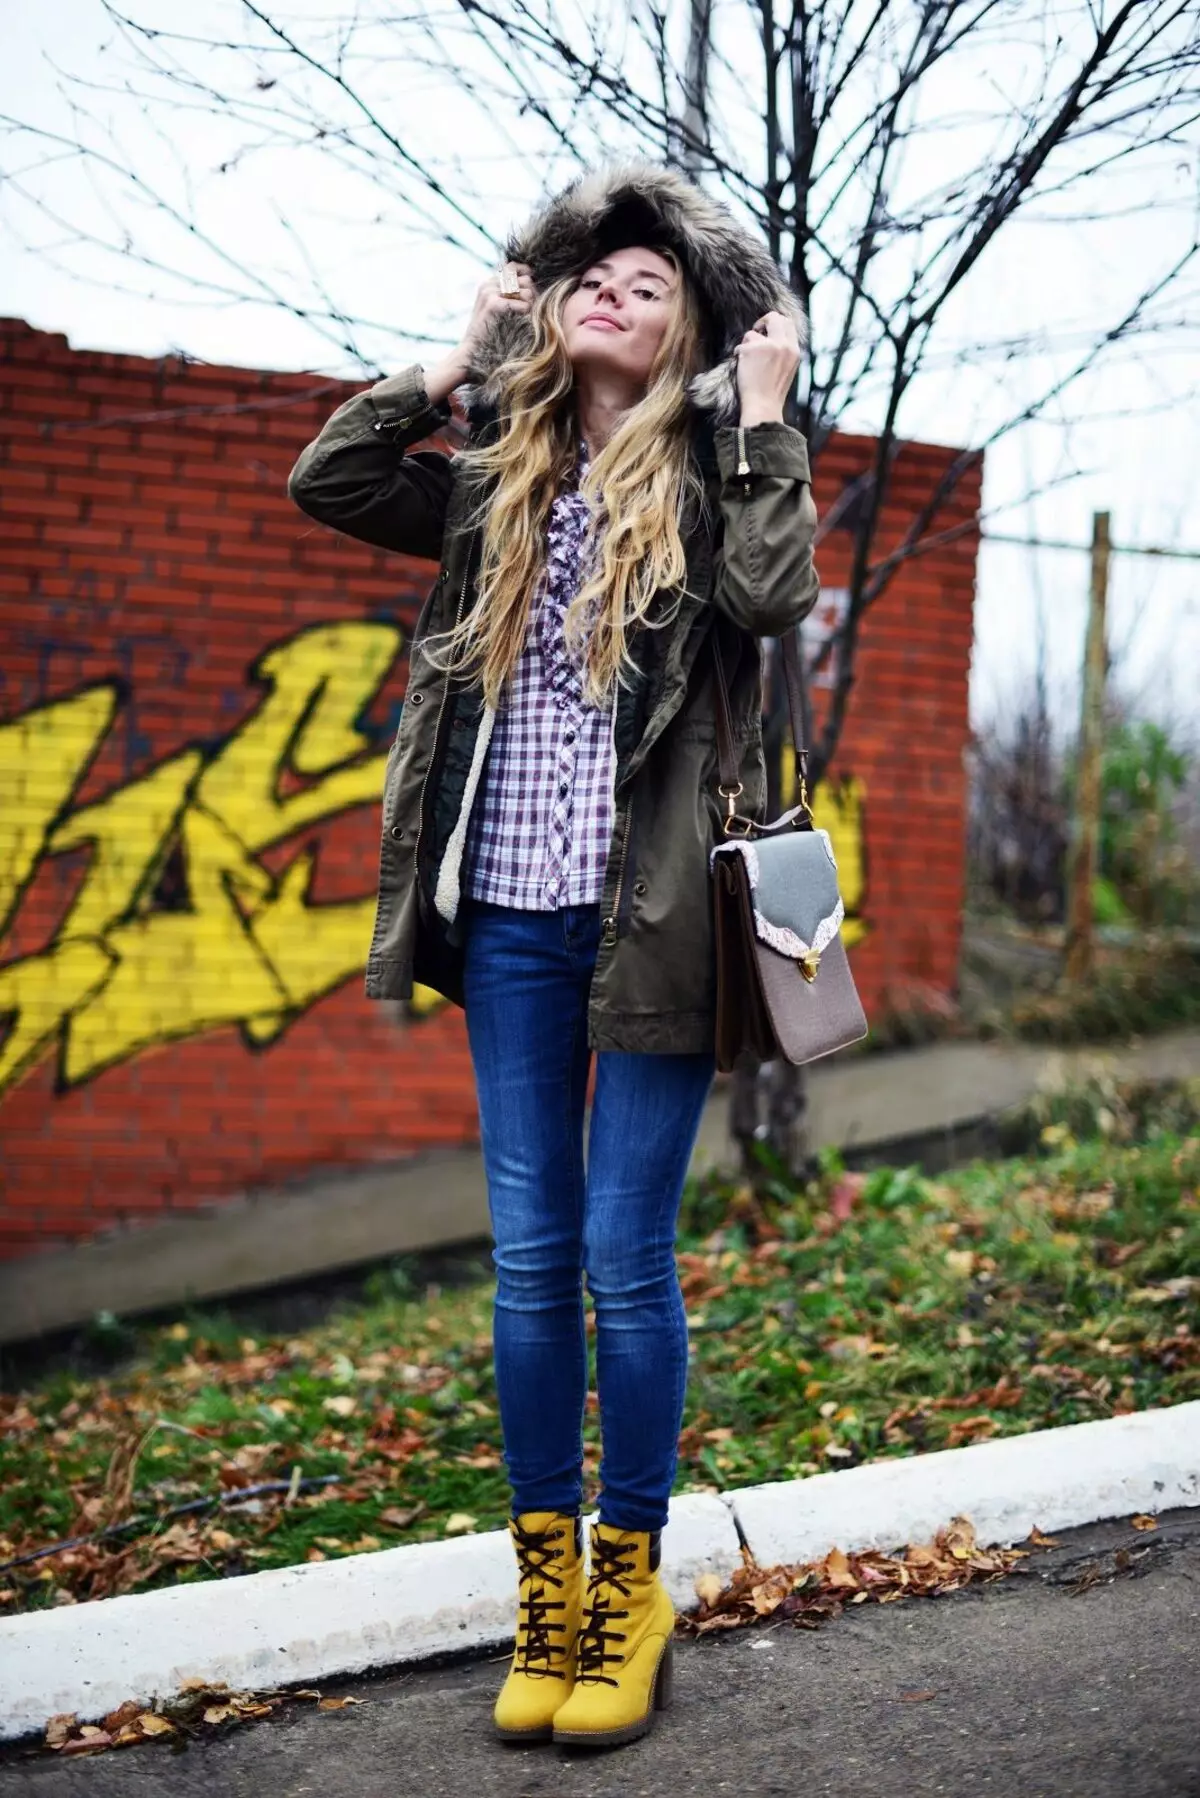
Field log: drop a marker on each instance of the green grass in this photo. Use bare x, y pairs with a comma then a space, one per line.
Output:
1005, 1297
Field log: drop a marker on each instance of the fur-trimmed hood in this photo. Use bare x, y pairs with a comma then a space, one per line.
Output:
643, 202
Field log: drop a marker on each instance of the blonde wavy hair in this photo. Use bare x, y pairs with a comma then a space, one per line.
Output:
637, 488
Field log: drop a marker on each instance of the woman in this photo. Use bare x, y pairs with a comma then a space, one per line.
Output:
629, 500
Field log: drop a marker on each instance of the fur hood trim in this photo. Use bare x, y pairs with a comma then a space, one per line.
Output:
643, 202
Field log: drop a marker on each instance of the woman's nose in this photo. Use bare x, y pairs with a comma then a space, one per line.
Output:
608, 291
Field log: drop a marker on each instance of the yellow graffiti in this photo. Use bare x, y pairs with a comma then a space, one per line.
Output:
42, 759
838, 808
178, 926
232, 943
320, 683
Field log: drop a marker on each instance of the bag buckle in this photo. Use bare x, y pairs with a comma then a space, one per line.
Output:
802, 770
808, 964
732, 815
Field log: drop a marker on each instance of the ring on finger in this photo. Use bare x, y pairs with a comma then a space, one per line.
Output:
510, 284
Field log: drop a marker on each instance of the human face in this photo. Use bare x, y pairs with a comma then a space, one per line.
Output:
616, 319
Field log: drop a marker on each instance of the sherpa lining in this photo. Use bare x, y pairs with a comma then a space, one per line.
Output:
448, 890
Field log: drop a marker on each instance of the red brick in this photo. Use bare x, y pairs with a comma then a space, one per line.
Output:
191, 538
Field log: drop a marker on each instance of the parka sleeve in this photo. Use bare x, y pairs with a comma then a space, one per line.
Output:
764, 577
359, 476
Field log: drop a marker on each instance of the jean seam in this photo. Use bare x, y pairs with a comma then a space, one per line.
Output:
578, 1188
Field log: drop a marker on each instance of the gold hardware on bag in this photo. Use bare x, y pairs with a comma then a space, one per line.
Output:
802, 772
808, 964
732, 817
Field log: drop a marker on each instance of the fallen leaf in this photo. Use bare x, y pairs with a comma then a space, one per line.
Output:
459, 1523
708, 1588
89, 1741
337, 1704
916, 1697
1143, 1522
847, 1191
837, 1569
971, 1429
124, 1713
219, 1713
400, 1519
221, 1539
1043, 1541
59, 1728
342, 1405
151, 1724
960, 1539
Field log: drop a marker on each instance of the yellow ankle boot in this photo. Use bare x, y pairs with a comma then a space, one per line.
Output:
624, 1668
549, 1547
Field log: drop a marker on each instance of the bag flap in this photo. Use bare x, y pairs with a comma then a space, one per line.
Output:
793, 889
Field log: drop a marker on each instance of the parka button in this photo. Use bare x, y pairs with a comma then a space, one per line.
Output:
396, 832
414, 698
639, 887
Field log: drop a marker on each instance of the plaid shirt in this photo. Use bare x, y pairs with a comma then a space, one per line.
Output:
540, 828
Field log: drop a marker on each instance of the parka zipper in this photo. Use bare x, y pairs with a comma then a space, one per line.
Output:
743, 464
609, 936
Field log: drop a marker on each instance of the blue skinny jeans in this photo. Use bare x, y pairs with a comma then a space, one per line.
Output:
526, 982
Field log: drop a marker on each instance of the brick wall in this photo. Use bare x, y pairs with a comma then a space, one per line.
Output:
197, 692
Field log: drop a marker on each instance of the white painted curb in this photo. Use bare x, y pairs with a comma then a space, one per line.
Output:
308, 1623
1148, 1461
303, 1623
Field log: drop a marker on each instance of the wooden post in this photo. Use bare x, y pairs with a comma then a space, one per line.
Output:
1081, 942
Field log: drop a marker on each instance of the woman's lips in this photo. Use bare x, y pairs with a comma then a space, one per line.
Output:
597, 318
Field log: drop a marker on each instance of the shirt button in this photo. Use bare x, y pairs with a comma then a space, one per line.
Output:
563, 788
569, 736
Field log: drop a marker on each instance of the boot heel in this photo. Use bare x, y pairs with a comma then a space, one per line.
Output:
664, 1684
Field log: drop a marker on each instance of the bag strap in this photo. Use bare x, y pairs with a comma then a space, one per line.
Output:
727, 762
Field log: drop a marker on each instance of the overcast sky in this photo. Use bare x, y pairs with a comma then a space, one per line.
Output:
307, 224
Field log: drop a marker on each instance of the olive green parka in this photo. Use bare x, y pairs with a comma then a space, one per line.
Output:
749, 574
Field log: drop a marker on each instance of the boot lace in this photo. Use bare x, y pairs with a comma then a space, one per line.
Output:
611, 1565
535, 1649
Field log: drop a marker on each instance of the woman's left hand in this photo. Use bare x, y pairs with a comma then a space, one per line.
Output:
767, 359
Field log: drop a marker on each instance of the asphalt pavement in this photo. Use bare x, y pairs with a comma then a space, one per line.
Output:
1079, 1678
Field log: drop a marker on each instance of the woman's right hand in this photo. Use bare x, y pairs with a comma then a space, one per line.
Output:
453, 370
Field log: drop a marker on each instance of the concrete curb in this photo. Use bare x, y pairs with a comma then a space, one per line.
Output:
1057, 1479
302, 1624
314, 1622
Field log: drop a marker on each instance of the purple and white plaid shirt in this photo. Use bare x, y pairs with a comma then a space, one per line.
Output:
540, 828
